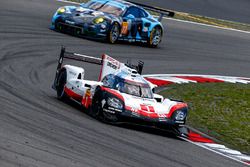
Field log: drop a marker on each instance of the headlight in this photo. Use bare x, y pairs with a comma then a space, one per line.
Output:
61, 10
180, 115
98, 20
114, 102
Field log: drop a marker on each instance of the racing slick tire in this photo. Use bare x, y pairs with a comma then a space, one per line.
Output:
97, 110
155, 37
61, 81
113, 33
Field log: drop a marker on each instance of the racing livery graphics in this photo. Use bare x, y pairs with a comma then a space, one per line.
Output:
111, 20
120, 94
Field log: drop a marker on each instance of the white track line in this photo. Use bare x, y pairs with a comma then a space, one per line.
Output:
184, 21
207, 25
65, 1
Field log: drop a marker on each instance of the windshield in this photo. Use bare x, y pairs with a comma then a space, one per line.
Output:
135, 89
106, 7
126, 86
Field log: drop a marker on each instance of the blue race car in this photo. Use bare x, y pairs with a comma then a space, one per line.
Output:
111, 20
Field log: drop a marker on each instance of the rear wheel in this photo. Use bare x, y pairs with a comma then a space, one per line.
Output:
61, 81
155, 37
113, 33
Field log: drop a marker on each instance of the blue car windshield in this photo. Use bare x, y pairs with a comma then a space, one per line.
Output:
106, 7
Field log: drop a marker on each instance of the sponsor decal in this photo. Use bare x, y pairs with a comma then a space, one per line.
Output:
112, 65
114, 109
161, 119
86, 100
124, 30
69, 22
109, 111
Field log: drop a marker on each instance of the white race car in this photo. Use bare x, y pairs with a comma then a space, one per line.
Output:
121, 94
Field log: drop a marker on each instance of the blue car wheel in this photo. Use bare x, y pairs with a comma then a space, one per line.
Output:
155, 37
113, 33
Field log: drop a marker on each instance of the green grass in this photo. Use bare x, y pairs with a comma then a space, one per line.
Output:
202, 19
221, 110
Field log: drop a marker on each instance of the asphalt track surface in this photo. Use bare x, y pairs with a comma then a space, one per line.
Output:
234, 10
36, 129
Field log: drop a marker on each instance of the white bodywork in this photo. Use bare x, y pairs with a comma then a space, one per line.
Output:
83, 90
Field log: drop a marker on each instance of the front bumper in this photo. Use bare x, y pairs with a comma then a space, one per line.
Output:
86, 29
133, 117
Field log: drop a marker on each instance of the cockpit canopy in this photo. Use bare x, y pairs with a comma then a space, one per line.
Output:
127, 86
106, 6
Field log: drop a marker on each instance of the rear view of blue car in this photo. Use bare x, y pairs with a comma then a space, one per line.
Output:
111, 20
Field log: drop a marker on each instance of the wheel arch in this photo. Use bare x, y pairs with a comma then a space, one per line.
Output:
155, 26
73, 72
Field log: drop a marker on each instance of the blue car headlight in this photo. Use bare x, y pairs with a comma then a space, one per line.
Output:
98, 20
61, 10
114, 102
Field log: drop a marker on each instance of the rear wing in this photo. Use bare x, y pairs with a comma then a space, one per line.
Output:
76, 56
161, 11
108, 64
73, 56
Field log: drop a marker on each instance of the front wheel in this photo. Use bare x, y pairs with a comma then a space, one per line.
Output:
96, 109
155, 37
98, 112
113, 33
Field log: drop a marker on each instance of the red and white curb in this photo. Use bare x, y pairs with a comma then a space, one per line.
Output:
209, 144
166, 79
191, 136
